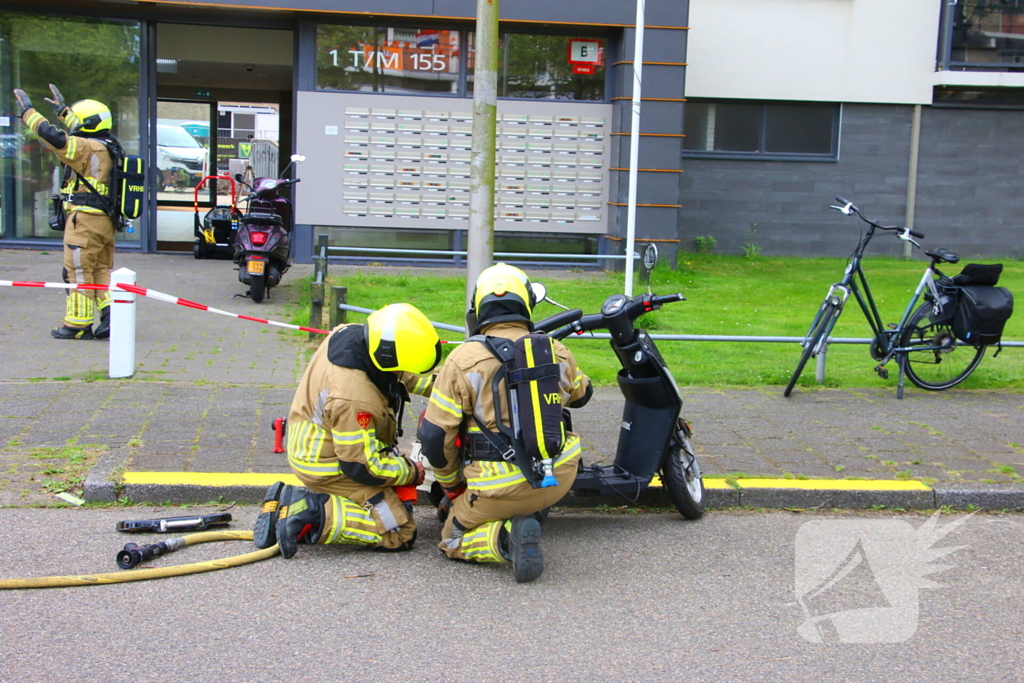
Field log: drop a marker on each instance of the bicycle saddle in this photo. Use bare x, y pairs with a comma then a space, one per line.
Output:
943, 256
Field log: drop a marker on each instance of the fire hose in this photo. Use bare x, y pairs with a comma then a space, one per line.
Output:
133, 555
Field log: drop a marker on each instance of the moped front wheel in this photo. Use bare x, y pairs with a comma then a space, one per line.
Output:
681, 476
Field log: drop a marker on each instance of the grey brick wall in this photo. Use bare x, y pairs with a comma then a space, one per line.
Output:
782, 206
970, 187
971, 181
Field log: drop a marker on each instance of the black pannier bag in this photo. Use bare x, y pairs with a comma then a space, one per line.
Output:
979, 274
981, 314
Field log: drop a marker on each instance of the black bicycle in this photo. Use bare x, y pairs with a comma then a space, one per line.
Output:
922, 342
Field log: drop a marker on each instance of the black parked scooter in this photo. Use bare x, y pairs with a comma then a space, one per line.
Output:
653, 438
263, 241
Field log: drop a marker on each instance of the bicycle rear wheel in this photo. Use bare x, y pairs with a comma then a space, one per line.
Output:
943, 363
823, 327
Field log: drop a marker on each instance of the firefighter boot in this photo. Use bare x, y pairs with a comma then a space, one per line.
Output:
264, 533
520, 544
103, 329
65, 332
303, 520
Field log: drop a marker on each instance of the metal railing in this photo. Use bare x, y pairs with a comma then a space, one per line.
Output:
821, 358
497, 254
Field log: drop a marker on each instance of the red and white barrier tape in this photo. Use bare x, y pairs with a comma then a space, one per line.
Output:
160, 296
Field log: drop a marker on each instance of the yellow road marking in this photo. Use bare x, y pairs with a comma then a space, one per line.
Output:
210, 478
832, 484
708, 483
224, 479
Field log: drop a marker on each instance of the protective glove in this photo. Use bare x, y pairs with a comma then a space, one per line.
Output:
445, 506
23, 100
59, 108
421, 473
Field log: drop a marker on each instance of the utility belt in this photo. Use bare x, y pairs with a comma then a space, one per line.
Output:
477, 447
88, 199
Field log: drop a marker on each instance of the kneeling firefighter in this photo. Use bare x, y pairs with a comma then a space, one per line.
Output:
491, 496
89, 229
343, 430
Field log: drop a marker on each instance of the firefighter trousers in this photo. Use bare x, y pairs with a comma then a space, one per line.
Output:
481, 515
362, 515
88, 259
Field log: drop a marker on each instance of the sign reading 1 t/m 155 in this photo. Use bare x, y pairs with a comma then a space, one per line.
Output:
396, 58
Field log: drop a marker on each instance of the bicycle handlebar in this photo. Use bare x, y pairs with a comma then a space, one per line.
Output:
849, 208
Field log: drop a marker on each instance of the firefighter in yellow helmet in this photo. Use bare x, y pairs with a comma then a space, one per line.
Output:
88, 228
343, 430
491, 508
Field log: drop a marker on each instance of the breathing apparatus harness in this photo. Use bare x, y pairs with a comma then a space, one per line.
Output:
536, 433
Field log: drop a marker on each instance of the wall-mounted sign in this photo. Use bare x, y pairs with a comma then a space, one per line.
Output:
205, 94
584, 55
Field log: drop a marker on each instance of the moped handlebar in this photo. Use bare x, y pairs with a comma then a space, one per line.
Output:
553, 322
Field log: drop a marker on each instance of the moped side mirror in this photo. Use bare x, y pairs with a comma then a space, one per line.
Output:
298, 158
238, 177
540, 292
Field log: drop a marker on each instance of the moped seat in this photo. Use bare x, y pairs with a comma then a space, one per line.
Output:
943, 256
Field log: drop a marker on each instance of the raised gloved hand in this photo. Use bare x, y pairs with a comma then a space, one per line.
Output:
23, 100
59, 108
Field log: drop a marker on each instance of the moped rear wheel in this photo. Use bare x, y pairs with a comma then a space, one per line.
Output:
681, 476
257, 287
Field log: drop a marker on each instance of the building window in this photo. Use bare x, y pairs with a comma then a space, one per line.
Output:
984, 35
783, 130
547, 67
392, 60
88, 58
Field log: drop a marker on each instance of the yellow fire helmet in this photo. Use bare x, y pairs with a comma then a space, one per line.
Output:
88, 116
401, 339
502, 293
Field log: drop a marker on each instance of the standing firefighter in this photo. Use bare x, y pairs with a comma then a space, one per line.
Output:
88, 227
490, 495
343, 430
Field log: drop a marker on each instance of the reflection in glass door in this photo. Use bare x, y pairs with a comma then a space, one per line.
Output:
185, 133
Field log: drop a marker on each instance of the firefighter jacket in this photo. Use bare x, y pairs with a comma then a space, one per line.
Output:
86, 156
344, 419
463, 388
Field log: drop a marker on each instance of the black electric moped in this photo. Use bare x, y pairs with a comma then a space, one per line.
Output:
653, 436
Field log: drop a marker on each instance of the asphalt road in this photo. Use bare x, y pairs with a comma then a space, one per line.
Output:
624, 597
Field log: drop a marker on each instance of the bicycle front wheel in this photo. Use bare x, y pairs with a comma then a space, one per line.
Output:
824, 325
935, 361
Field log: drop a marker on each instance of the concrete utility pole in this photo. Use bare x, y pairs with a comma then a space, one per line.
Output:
480, 251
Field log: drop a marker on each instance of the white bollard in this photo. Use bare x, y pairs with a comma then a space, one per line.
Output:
122, 326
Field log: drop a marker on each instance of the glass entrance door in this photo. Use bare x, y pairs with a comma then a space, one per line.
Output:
185, 134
